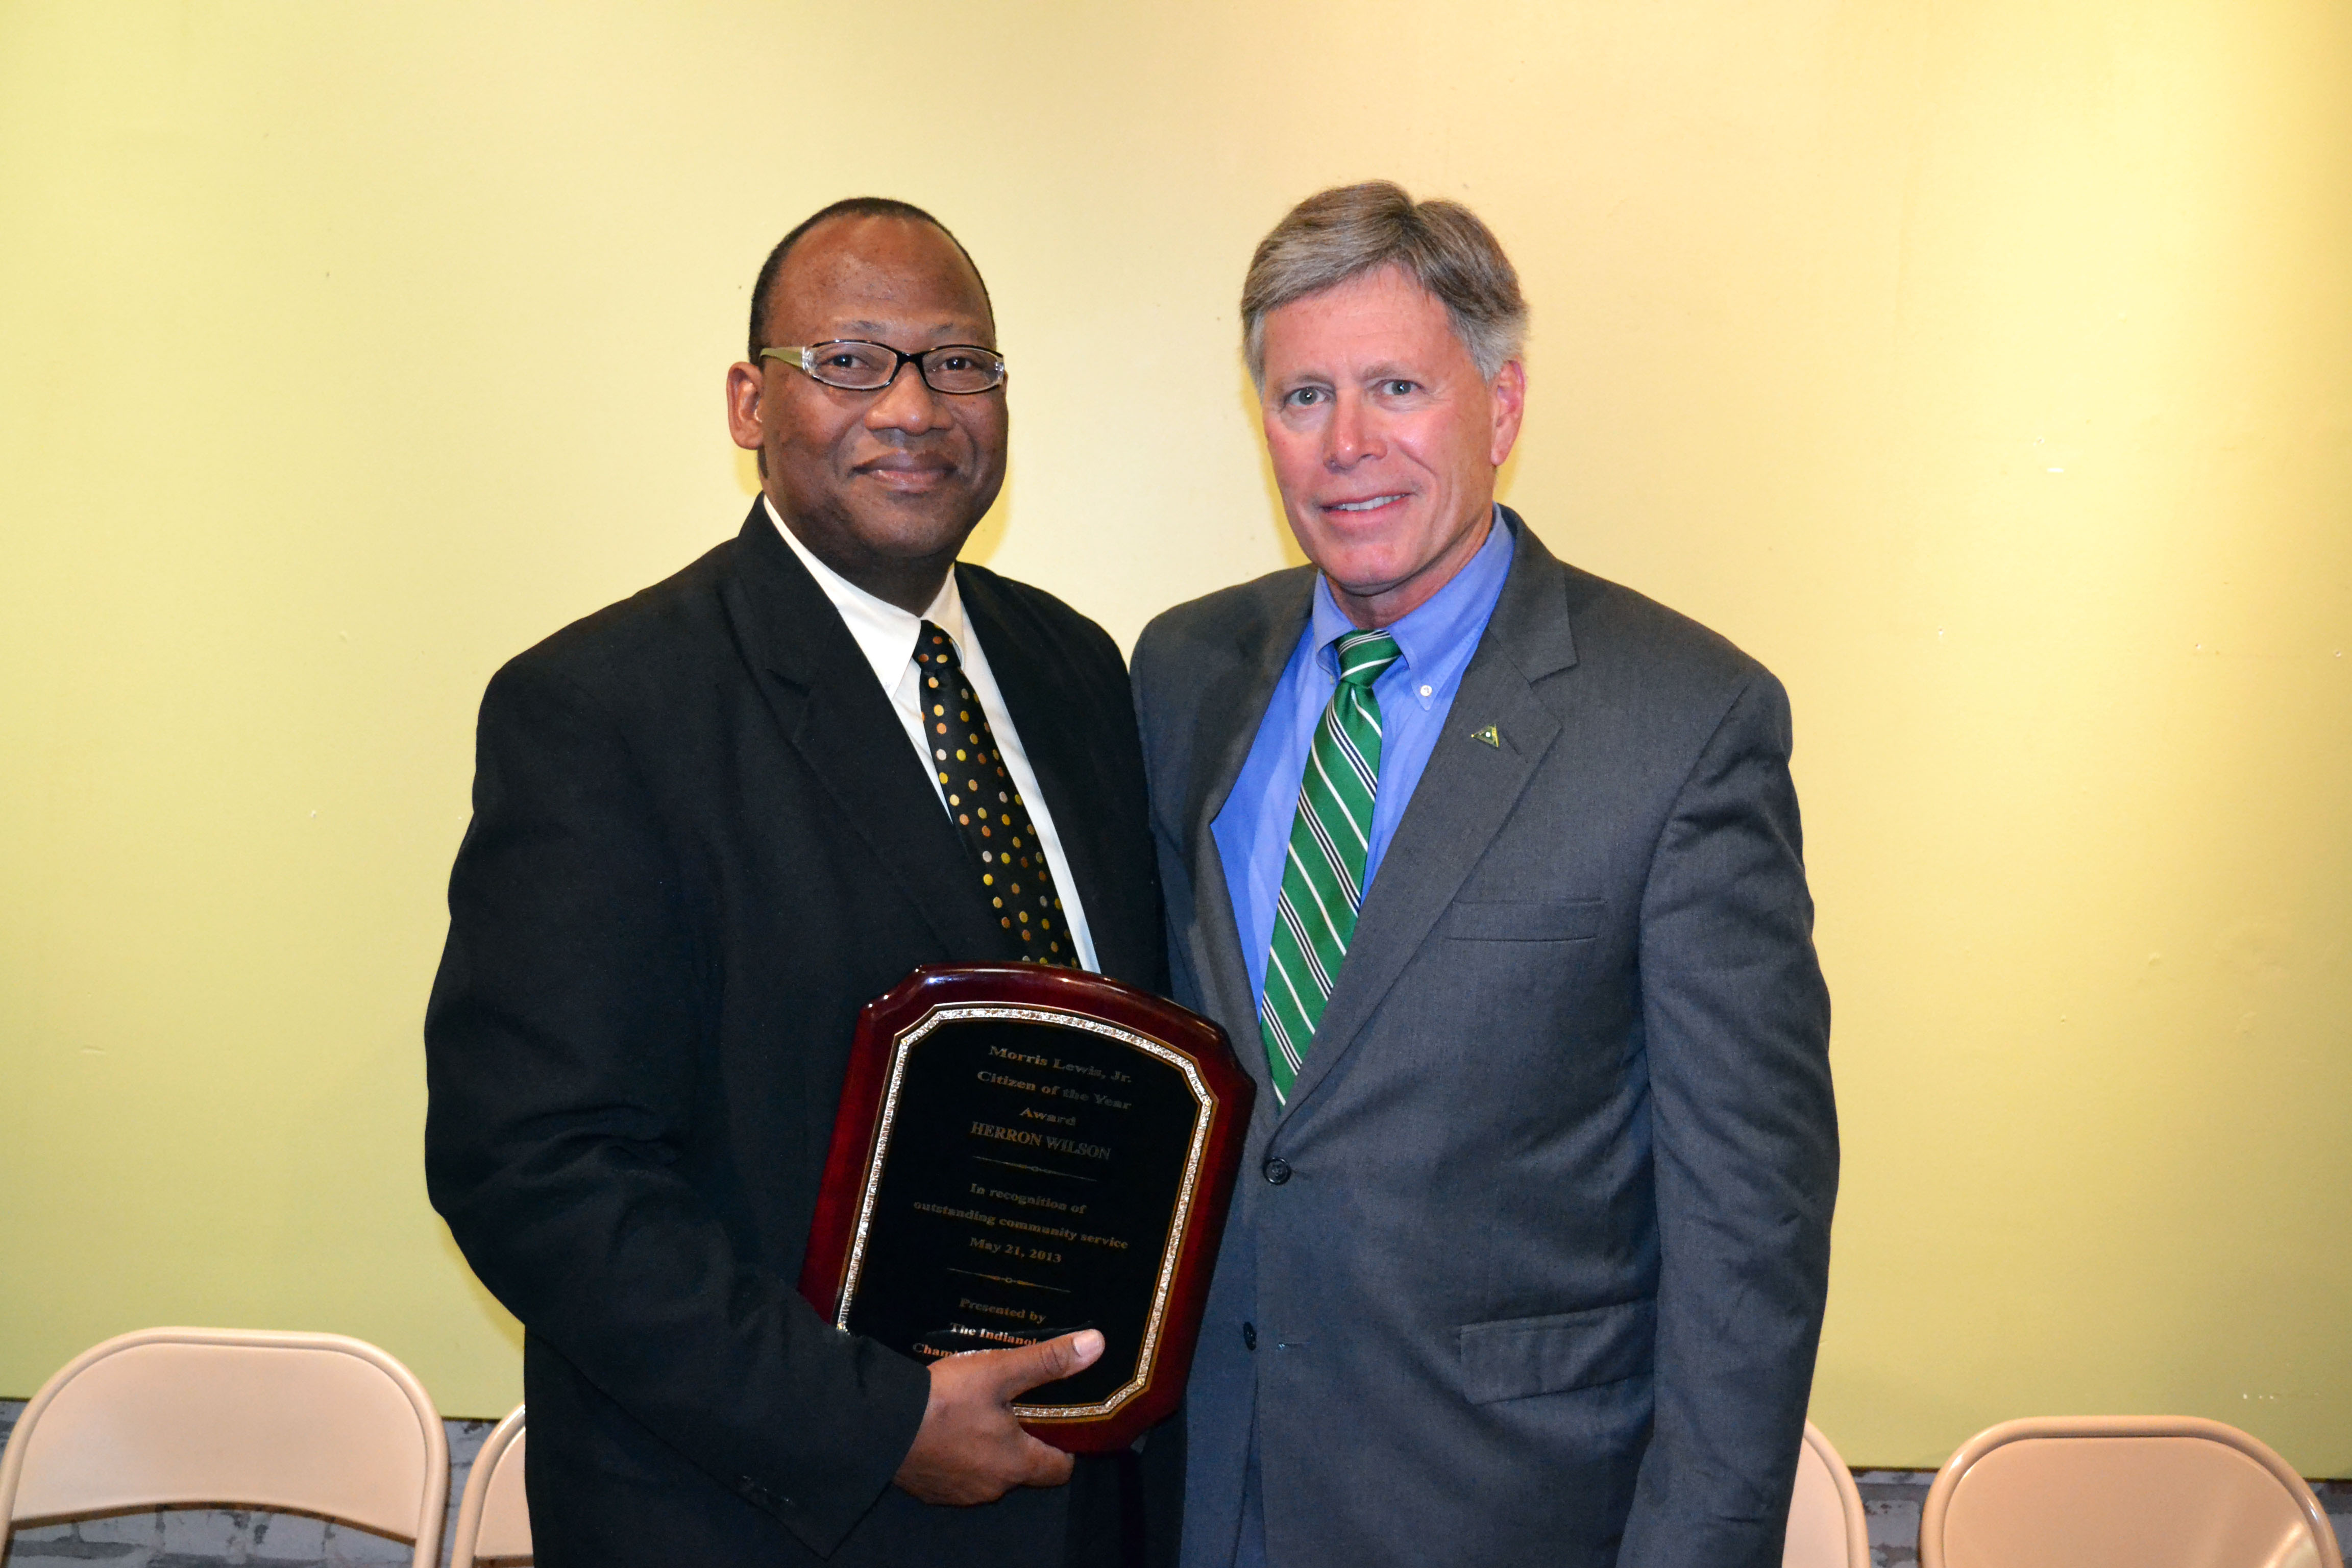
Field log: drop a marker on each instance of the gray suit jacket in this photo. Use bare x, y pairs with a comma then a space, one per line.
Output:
1530, 1268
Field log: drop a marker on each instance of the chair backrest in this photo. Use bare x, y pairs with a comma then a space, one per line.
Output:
493, 1517
2121, 1491
1826, 1525
316, 1423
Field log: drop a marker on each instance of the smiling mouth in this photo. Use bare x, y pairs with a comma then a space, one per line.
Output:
908, 475
1372, 503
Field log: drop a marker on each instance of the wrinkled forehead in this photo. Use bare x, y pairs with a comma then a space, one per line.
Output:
868, 276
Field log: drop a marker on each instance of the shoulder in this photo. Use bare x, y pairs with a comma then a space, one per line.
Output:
1612, 622
1232, 624
638, 651
1601, 653
1672, 680
1022, 606
1038, 624
1559, 616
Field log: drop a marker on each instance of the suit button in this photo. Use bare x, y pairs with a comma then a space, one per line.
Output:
1277, 1170
1249, 1336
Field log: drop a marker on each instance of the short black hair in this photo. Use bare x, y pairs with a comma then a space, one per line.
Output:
848, 206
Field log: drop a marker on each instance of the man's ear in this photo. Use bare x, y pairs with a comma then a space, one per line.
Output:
1508, 396
746, 385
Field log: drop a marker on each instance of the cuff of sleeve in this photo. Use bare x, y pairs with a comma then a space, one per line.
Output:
821, 1510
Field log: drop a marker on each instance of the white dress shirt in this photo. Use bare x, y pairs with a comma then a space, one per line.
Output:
886, 634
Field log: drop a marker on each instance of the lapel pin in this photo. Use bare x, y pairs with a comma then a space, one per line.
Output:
1488, 736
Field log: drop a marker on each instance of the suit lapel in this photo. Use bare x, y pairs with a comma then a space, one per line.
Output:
1462, 799
835, 716
1046, 715
1231, 708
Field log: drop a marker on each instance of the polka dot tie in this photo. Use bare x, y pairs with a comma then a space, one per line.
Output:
1013, 874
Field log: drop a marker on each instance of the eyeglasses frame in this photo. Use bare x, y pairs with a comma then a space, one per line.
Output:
806, 362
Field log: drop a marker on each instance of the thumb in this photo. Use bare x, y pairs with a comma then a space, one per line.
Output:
1047, 1362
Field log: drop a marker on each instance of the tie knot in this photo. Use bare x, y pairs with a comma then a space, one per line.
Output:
1363, 656
933, 645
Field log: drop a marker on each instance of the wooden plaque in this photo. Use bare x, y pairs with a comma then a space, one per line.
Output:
1020, 1152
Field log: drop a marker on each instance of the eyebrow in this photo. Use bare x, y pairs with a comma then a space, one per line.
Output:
1386, 370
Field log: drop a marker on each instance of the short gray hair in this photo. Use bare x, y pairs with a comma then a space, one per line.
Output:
1347, 231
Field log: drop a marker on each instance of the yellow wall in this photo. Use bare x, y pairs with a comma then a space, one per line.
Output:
1985, 368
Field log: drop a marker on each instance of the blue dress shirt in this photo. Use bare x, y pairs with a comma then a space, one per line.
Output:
1436, 639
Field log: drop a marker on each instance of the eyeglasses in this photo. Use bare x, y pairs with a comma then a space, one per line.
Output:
855, 366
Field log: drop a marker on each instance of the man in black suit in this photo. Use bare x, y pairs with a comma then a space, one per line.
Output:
711, 822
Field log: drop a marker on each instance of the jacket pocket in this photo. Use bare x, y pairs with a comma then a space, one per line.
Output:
1575, 919
1515, 1357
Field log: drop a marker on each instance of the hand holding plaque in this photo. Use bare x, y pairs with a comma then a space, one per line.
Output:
1021, 1152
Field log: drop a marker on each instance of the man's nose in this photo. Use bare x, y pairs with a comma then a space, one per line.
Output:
1353, 433
907, 404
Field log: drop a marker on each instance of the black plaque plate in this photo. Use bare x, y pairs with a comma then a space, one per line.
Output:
1021, 1152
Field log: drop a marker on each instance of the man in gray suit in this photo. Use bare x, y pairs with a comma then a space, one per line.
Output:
1491, 868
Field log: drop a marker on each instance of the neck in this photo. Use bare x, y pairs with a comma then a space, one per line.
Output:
911, 586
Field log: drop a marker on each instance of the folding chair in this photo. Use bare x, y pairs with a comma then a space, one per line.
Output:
313, 1424
1826, 1527
493, 1517
2121, 1491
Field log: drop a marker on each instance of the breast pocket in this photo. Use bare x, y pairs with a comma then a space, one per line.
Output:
1568, 920
1515, 1357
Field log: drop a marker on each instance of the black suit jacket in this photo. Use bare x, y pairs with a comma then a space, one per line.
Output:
701, 841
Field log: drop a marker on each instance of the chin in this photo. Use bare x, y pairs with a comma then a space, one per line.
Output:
937, 524
1362, 573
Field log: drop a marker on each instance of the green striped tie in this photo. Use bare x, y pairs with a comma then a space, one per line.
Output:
1323, 882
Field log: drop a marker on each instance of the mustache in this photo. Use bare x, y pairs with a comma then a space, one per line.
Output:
905, 452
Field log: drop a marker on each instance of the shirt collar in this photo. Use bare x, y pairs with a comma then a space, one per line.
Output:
885, 634
1440, 624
